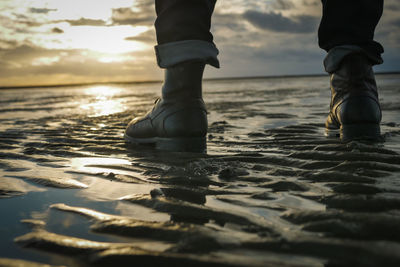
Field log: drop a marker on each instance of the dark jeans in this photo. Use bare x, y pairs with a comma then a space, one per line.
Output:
350, 22
179, 20
344, 22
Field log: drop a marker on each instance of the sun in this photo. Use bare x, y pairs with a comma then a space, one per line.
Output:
110, 40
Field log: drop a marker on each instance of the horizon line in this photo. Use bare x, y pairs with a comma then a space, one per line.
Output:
159, 81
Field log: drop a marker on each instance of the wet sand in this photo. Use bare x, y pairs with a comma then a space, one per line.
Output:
270, 191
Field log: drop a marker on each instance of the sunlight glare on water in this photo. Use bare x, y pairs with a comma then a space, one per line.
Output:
103, 102
83, 164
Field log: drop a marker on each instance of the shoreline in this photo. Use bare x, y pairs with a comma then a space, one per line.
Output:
160, 81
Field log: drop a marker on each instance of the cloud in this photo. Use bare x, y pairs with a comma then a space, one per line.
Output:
41, 10
147, 37
25, 53
13, 19
287, 54
142, 14
396, 23
311, 2
277, 23
7, 44
86, 22
228, 21
125, 16
283, 4
393, 6
51, 66
57, 30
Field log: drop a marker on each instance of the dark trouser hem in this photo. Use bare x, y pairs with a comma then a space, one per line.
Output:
173, 53
337, 54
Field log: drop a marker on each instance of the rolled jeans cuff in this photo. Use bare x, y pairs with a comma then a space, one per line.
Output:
337, 54
173, 53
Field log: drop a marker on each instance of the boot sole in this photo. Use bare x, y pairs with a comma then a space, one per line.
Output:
332, 133
349, 132
368, 132
178, 144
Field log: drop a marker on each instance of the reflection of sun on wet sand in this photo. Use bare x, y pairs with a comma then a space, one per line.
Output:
271, 190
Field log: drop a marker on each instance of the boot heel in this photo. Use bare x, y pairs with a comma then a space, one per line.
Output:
182, 144
350, 132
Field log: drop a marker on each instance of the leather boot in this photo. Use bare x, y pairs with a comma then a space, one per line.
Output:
355, 112
178, 120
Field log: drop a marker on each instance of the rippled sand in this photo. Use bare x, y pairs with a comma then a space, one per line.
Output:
271, 190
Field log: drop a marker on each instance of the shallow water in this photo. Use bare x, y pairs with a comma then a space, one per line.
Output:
271, 190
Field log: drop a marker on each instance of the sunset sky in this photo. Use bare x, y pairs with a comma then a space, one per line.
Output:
79, 41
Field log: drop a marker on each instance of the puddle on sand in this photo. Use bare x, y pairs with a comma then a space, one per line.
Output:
271, 190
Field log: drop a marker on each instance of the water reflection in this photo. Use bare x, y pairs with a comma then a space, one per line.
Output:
102, 101
96, 164
109, 178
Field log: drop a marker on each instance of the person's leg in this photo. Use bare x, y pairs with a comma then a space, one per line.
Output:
180, 20
178, 121
346, 32
350, 23
183, 32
